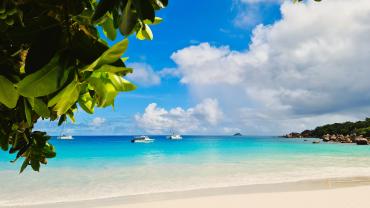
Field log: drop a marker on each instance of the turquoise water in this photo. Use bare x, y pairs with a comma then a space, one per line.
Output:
109, 166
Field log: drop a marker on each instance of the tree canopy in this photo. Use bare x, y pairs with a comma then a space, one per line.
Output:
52, 60
346, 128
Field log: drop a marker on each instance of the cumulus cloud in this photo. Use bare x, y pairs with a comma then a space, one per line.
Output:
313, 62
144, 75
199, 118
97, 122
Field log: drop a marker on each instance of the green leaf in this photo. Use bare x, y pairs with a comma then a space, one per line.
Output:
160, 3
49, 151
71, 116
113, 69
24, 165
164, 2
109, 56
147, 32
4, 142
35, 164
144, 33
105, 91
40, 107
45, 81
28, 113
140, 35
44, 45
108, 29
120, 83
66, 98
8, 94
62, 119
103, 7
86, 48
87, 103
144, 9
157, 20
128, 20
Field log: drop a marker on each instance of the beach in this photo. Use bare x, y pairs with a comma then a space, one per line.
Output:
105, 171
185, 104
338, 192
338, 198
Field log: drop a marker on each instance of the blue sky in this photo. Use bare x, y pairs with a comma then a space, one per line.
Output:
179, 89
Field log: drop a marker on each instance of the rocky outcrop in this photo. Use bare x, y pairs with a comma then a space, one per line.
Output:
360, 140
326, 138
335, 138
293, 135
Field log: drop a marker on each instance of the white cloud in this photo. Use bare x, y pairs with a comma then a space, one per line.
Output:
169, 72
311, 66
97, 122
143, 75
200, 118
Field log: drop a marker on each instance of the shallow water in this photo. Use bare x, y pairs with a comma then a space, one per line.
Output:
109, 166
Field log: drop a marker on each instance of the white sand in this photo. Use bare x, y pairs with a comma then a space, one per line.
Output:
326, 193
354, 197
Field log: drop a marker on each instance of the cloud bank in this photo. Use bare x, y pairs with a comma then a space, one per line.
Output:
309, 68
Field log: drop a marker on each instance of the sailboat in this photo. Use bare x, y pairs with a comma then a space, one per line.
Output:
174, 136
142, 139
64, 136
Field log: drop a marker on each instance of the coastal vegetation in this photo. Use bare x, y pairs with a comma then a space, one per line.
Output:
53, 59
347, 132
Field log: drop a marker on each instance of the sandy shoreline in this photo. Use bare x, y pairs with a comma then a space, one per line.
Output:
337, 192
354, 197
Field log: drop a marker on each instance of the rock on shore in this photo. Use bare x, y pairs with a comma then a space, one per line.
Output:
336, 138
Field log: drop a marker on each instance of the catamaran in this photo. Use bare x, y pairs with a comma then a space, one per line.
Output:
174, 136
65, 137
142, 139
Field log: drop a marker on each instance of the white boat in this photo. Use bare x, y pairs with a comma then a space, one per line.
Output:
65, 137
175, 137
142, 139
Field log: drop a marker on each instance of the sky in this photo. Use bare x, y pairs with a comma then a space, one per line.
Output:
259, 67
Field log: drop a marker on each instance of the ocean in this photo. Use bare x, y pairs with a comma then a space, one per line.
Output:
92, 167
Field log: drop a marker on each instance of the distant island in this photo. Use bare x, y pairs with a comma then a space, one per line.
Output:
237, 134
348, 132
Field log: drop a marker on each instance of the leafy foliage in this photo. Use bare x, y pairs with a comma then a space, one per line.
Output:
347, 128
53, 60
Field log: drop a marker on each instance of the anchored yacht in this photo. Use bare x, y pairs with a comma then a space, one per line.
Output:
175, 136
142, 139
65, 137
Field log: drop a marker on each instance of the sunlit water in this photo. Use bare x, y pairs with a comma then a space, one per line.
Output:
99, 167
